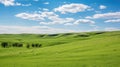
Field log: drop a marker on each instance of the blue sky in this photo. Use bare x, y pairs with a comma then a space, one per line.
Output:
58, 16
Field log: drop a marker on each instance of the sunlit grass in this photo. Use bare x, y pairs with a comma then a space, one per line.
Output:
63, 50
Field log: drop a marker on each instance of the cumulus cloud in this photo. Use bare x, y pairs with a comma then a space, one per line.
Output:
30, 16
54, 19
12, 3
50, 18
36, 16
7, 2
31, 29
115, 20
84, 21
43, 16
102, 7
71, 8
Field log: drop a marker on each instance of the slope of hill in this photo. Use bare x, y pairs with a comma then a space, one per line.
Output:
92, 49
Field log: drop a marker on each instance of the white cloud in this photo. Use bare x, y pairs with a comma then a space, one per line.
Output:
46, 3
26, 4
36, 16
31, 29
7, 2
28, 16
107, 15
45, 9
61, 20
43, 16
68, 24
102, 7
50, 18
57, 20
84, 21
12, 3
115, 20
112, 29
71, 8
88, 17
48, 14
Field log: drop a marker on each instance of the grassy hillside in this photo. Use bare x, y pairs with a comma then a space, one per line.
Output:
92, 49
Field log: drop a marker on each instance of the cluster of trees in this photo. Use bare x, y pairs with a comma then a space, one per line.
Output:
34, 45
17, 45
6, 45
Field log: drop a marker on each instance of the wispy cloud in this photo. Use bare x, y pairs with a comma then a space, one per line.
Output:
84, 21
26, 4
102, 7
68, 24
107, 15
45, 9
113, 21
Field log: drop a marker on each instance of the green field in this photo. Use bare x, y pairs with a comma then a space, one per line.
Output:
87, 49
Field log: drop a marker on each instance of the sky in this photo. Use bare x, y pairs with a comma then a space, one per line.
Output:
58, 16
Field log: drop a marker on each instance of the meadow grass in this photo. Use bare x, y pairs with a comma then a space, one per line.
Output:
91, 49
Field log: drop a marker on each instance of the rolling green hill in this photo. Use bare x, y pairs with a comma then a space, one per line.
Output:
88, 49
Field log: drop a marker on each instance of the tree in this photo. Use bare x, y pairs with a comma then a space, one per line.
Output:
4, 44
40, 45
20, 45
28, 46
33, 45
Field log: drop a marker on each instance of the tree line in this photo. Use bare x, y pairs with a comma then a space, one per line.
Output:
7, 45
